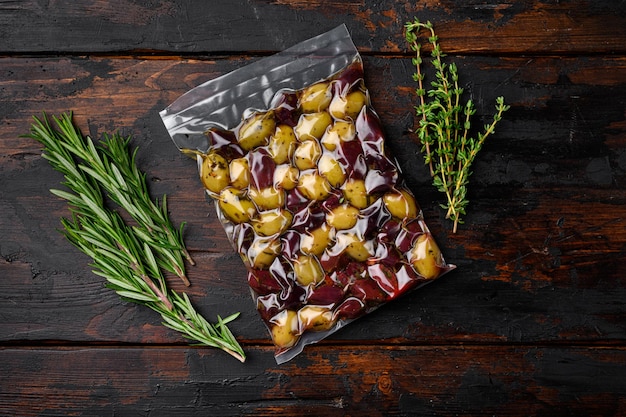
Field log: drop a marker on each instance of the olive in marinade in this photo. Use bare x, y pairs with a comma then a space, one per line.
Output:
239, 170
272, 222
316, 98
343, 217
313, 186
308, 270
348, 106
286, 177
235, 205
355, 193
330, 168
262, 252
426, 257
316, 318
357, 248
400, 204
307, 154
316, 241
256, 130
340, 131
214, 172
282, 144
312, 126
284, 328
267, 198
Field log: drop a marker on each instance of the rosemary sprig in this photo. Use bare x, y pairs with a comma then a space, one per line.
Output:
445, 124
119, 254
111, 163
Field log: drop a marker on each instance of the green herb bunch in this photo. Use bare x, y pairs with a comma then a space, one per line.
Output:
130, 257
445, 123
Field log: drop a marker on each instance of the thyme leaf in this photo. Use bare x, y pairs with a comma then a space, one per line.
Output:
130, 258
445, 123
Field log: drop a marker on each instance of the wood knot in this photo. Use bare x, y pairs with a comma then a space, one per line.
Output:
384, 383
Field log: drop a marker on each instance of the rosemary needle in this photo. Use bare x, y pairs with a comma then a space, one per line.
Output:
111, 163
119, 254
445, 124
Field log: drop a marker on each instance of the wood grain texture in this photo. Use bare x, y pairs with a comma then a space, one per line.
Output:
326, 380
259, 26
532, 322
545, 226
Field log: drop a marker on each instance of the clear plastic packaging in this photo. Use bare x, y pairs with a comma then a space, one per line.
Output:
293, 154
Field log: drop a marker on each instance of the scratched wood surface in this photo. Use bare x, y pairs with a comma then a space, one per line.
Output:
533, 321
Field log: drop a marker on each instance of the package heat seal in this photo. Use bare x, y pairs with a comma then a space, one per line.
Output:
293, 154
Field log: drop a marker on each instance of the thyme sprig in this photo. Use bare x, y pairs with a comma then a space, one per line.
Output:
445, 123
123, 255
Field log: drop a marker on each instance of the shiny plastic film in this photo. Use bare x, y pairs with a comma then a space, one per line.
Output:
293, 154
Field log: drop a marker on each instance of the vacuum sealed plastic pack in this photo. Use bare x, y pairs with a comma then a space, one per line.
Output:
293, 154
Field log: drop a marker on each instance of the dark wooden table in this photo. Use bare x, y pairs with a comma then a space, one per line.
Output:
533, 321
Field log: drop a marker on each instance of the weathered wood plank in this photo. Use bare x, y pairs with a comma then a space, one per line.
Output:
326, 380
200, 27
545, 226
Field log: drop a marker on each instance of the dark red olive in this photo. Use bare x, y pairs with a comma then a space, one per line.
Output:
292, 297
286, 108
385, 278
348, 78
309, 218
352, 271
268, 306
325, 295
331, 262
368, 291
350, 155
262, 168
369, 131
263, 282
351, 308
387, 255
243, 235
225, 143
389, 230
408, 278
296, 201
375, 217
290, 244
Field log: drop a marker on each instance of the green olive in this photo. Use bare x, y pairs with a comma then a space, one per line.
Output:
308, 270
348, 107
425, 257
316, 318
307, 154
262, 252
267, 198
354, 246
285, 329
256, 130
316, 241
400, 204
343, 217
286, 177
239, 173
282, 144
355, 193
330, 168
235, 206
312, 126
272, 222
316, 97
313, 186
340, 131
214, 172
